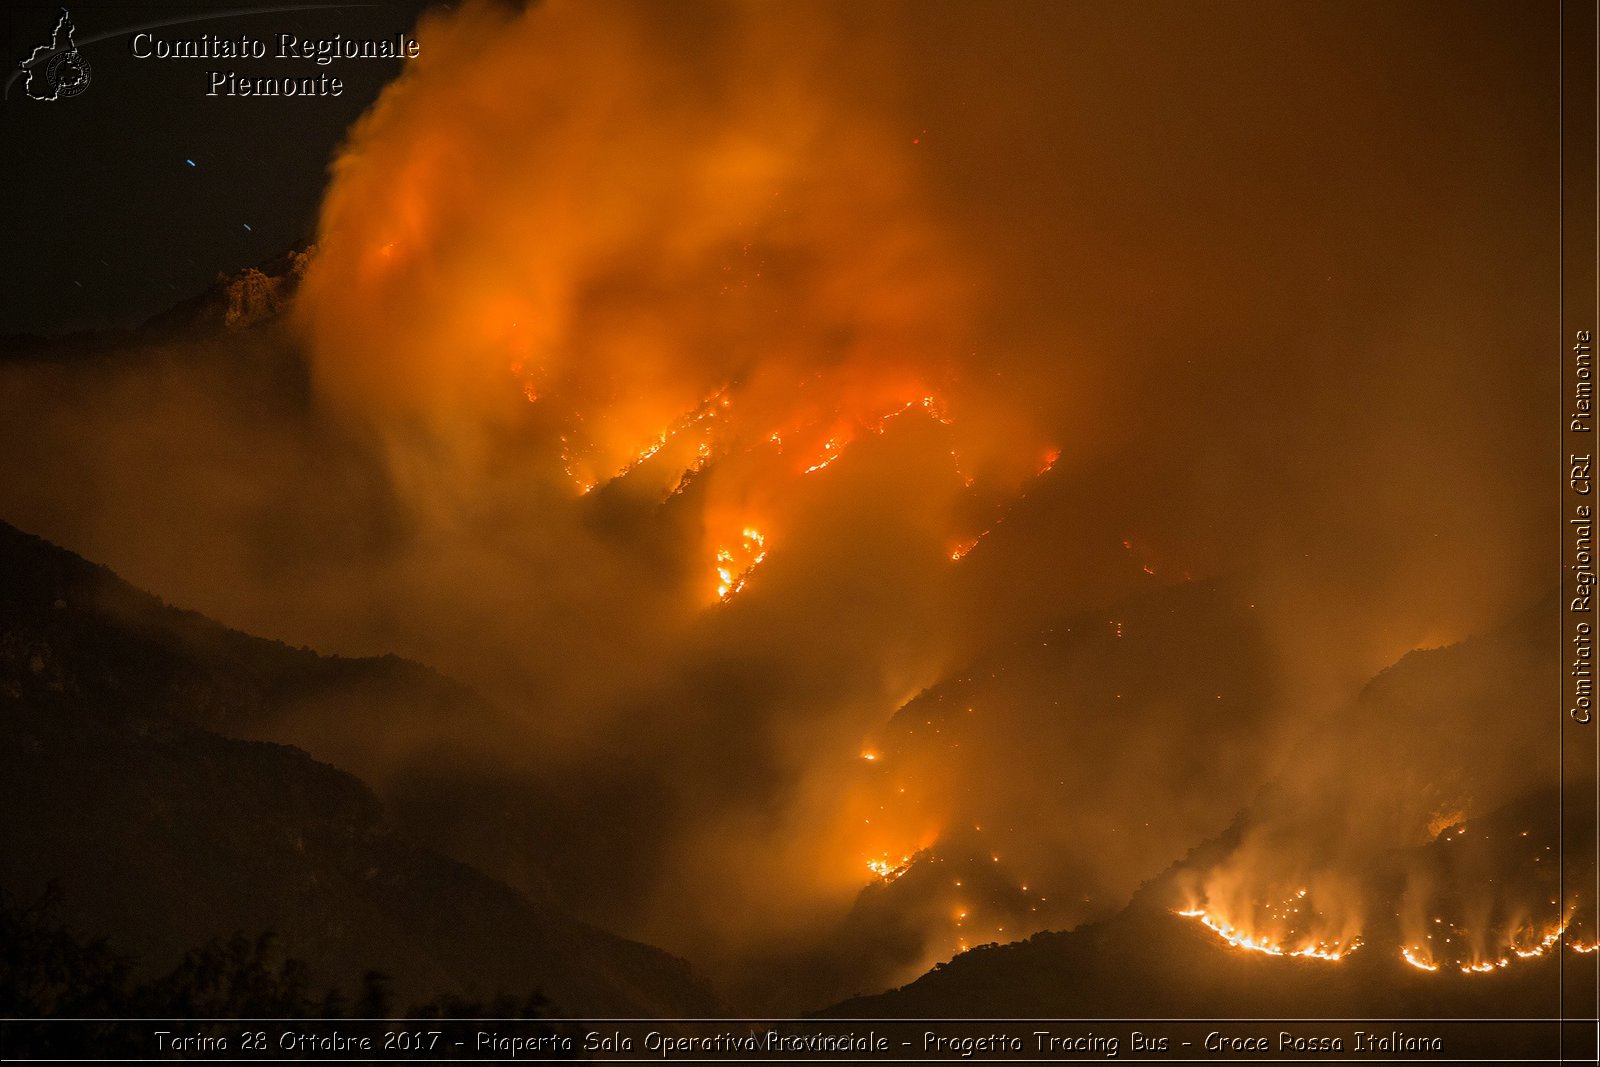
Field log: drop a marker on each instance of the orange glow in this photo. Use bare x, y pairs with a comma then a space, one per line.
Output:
887, 871
1482, 968
1413, 957
1239, 939
1543, 946
1290, 943
1441, 821
1289, 927
832, 449
963, 547
662, 328
735, 564
1526, 941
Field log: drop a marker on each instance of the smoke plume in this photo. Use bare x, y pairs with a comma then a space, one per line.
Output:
703, 382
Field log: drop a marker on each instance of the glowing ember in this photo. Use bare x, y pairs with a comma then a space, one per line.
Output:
1441, 821
1517, 944
963, 547
831, 451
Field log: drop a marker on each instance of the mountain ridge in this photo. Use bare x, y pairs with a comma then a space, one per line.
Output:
120, 785
1483, 854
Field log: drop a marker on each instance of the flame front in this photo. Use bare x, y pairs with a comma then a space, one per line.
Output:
1414, 957
1419, 956
1281, 934
887, 871
735, 564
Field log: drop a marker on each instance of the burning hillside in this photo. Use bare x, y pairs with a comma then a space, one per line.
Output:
895, 476
676, 296
1280, 956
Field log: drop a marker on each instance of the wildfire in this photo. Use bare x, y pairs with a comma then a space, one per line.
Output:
1543, 946
1411, 956
1483, 968
832, 449
1422, 957
963, 547
735, 565
1512, 946
1318, 950
716, 429
701, 458
888, 871
1285, 928
820, 423
686, 444
844, 431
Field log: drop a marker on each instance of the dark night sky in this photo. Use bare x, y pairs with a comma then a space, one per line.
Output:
105, 221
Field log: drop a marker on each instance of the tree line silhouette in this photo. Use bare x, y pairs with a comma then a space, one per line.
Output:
46, 972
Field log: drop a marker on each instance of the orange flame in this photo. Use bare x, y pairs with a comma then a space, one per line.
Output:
887, 871
1413, 957
1318, 950
1289, 921
961, 548
735, 565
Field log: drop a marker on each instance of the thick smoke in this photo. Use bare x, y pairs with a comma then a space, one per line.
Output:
703, 382
672, 304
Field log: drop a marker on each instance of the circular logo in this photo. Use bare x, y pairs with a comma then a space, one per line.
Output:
68, 73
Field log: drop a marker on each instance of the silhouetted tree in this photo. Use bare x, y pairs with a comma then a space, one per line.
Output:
376, 994
46, 972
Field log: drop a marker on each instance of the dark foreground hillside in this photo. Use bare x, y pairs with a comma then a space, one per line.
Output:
163, 834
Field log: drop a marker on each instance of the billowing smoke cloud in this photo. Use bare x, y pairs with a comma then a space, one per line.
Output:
666, 294
1450, 856
703, 382
641, 256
